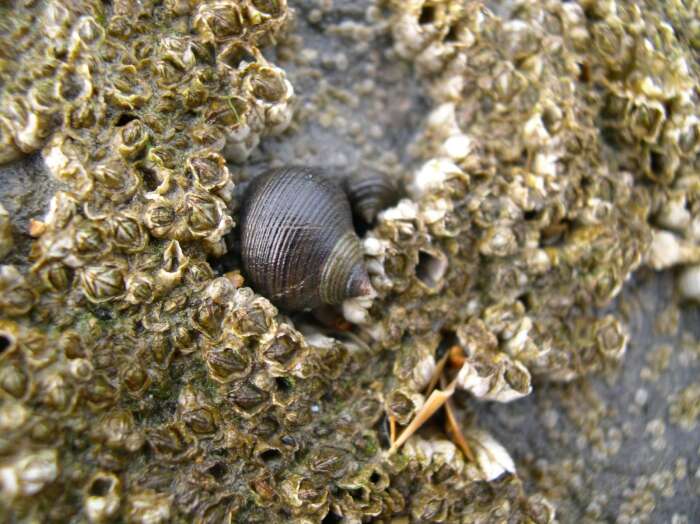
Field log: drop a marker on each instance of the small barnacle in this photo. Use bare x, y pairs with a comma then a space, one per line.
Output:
247, 398
71, 345
174, 264
180, 51
132, 139
140, 288
56, 276
89, 239
149, 507
135, 378
127, 233
612, 43
228, 363
29, 473
13, 416
265, 83
103, 282
646, 120
184, 340
88, 31
205, 214
209, 170
498, 242
218, 21
402, 405
160, 217
102, 496
280, 351
269, 7
73, 83
172, 442
253, 319
198, 416
328, 461
16, 297
160, 349
300, 492
207, 319
81, 369
611, 338
56, 393
118, 182
128, 89
14, 380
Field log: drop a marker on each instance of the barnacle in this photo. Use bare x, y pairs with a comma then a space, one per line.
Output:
136, 384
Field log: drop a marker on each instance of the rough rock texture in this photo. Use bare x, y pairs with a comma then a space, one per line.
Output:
138, 384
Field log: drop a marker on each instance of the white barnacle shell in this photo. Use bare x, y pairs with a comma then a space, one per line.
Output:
29, 473
507, 380
668, 250
102, 496
689, 283
434, 174
491, 456
356, 310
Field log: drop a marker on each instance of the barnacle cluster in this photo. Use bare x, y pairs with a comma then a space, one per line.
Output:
138, 385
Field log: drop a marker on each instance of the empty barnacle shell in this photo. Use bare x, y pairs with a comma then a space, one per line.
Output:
369, 192
297, 241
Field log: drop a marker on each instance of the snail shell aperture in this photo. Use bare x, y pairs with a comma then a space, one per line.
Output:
298, 244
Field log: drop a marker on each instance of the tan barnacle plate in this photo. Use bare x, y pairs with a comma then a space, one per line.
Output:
283, 351
229, 360
302, 495
251, 396
160, 217
196, 412
63, 158
206, 217
173, 266
29, 473
210, 172
500, 379
149, 507
103, 282
252, 316
172, 442
16, 296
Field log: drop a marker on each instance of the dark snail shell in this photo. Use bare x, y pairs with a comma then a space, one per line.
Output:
370, 192
298, 244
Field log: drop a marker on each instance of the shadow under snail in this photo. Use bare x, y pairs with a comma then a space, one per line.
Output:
298, 244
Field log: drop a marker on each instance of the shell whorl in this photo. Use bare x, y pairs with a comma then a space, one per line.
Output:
369, 192
297, 240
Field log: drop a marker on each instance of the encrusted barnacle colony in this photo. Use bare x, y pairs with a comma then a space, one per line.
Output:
138, 385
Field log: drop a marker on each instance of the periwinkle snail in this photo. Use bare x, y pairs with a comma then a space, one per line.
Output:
298, 245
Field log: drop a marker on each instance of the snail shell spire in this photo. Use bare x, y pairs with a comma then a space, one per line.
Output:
298, 244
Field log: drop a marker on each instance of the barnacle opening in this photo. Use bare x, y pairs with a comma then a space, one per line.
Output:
124, 118
427, 15
100, 486
218, 470
430, 269
5, 342
270, 456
